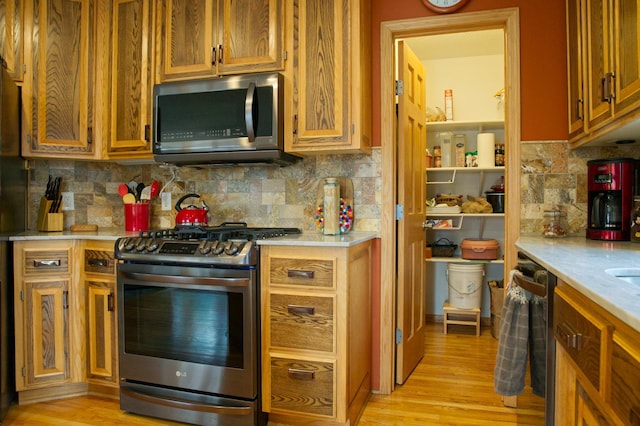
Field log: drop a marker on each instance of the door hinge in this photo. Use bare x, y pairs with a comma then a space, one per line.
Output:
399, 212
399, 87
398, 336
24, 68
353, 128
284, 55
24, 371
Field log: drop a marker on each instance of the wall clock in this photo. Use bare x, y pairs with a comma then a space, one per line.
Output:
444, 6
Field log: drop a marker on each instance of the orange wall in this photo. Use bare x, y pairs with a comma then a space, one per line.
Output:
543, 77
543, 89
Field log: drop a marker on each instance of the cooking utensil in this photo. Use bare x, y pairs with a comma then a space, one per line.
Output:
155, 189
145, 195
129, 198
123, 189
132, 186
191, 214
138, 192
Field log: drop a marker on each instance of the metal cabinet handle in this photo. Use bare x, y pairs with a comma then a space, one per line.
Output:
579, 109
110, 305
40, 263
98, 262
300, 273
298, 374
572, 339
608, 94
65, 299
298, 309
213, 55
219, 53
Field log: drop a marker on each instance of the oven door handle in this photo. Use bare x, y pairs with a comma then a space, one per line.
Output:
188, 405
183, 280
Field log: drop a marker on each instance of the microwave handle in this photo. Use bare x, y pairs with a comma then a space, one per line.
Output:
248, 111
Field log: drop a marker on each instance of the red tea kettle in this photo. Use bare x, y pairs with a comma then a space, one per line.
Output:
191, 214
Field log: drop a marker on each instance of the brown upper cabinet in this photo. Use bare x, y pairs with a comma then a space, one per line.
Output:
603, 59
11, 14
329, 92
87, 79
205, 38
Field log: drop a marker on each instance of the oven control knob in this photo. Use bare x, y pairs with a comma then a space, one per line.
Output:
130, 243
219, 248
206, 247
142, 244
233, 248
152, 244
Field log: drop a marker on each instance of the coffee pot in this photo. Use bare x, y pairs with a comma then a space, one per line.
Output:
605, 211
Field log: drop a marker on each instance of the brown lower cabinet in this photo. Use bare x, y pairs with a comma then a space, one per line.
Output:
316, 333
597, 363
64, 318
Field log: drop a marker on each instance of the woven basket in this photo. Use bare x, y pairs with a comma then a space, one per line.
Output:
450, 200
442, 248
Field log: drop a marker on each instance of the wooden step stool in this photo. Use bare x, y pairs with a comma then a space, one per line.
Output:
461, 317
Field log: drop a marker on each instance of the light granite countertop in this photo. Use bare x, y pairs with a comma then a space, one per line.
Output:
582, 263
304, 239
310, 239
101, 234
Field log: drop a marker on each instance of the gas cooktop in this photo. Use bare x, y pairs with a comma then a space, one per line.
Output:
230, 243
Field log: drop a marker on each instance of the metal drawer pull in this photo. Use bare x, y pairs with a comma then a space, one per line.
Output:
110, 305
98, 262
46, 262
297, 309
297, 374
572, 339
299, 273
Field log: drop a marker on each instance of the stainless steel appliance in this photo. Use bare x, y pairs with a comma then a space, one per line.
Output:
189, 323
13, 196
236, 119
534, 275
610, 188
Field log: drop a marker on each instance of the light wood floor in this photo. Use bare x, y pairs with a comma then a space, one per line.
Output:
453, 385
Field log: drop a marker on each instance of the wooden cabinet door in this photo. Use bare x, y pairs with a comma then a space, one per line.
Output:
58, 91
250, 36
575, 67
330, 77
130, 77
626, 51
101, 329
46, 327
187, 39
11, 15
599, 59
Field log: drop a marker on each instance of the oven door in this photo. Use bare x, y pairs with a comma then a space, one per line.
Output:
192, 328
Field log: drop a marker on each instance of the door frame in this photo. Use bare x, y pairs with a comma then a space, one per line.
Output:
507, 19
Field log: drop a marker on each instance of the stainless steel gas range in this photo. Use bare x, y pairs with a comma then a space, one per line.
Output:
189, 323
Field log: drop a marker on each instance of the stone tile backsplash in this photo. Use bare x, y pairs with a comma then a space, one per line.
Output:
551, 175
258, 195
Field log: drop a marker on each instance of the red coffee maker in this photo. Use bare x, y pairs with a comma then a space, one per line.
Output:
611, 187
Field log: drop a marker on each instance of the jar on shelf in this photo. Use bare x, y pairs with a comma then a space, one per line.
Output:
555, 224
635, 220
331, 206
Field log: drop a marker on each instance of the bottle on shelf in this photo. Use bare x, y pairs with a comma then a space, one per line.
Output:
446, 147
460, 146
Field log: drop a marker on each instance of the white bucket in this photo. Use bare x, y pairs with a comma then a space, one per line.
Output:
465, 285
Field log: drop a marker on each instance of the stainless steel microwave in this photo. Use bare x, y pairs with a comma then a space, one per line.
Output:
226, 120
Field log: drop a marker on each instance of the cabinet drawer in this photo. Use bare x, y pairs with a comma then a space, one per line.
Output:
302, 322
302, 386
99, 261
625, 382
302, 272
46, 261
580, 337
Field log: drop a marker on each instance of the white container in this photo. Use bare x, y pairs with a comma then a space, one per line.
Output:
486, 150
447, 148
465, 285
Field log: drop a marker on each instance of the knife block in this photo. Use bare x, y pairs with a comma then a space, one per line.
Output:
48, 221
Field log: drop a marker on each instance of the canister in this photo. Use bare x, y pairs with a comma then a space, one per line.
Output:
331, 207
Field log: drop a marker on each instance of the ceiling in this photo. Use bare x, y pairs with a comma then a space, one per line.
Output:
463, 44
